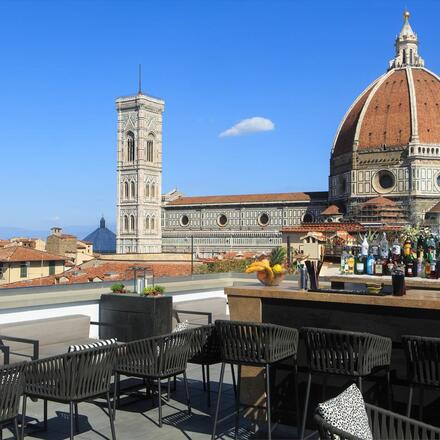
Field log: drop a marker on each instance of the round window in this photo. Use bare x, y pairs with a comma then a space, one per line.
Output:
222, 220
308, 218
384, 181
263, 219
184, 220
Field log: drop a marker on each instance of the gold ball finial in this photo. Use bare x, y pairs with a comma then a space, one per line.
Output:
406, 15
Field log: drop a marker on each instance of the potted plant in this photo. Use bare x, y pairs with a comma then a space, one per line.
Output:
118, 288
154, 290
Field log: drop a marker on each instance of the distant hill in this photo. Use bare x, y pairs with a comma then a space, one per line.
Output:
80, 231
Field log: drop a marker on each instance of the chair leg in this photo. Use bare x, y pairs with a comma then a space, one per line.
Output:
208, 386
110, 416
23, 416
268, 404
234, 383
237, 404
297, 409
306, 404
422, 392
159, 401
203, 378
71, 420
389, 390
16, 431
175, 383
360, 384
76, 418
169, 389
222, 373
45, 415
115, 395
188, 400
410, 397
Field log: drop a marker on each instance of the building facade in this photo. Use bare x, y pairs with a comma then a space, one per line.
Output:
139, 171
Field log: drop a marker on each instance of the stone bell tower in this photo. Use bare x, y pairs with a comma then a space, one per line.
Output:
139, 174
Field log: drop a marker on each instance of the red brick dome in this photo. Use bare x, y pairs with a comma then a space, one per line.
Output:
400, 107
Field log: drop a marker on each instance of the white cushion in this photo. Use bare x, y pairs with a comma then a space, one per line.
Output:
100, 343
180, 326
347, 413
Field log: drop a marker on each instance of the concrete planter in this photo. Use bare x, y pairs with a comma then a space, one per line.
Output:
130, 317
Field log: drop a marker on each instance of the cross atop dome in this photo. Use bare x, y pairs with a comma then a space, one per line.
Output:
407, 44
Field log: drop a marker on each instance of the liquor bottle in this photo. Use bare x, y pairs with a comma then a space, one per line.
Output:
342, 268
378, 267
350, 263
420, 267
428, 266
396, 250
371, 263
360, 265
409, 266
364, 247
384, 247
389, 266
374, 248
407, 247
433, 262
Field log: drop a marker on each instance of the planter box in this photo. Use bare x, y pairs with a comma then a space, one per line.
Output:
130, 317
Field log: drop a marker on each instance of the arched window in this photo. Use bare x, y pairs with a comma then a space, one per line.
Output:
132, 226
153, 191
147, 190
150, 148
133, 190
404, 56
126, 190
130, 146
153, 223
126, 223
411, 56
147, 223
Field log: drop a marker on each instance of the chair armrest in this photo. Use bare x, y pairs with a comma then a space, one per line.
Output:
194, 312
5, 349
34, 342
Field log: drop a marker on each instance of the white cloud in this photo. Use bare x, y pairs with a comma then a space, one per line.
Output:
250, 125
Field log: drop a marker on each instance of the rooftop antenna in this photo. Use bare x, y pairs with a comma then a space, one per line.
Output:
140, 79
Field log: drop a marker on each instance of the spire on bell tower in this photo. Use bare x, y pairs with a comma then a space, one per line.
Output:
407, 45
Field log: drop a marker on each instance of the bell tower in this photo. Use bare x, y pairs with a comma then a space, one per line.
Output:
139, 174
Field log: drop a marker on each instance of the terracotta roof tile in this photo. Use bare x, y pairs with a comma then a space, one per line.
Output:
20, 253
379, 201
331, 210
249, 198
435, 208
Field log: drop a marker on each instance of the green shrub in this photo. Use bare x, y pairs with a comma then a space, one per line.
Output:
220, 266
154, 290
118, 288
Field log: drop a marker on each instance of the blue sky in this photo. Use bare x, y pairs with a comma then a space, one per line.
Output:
298, 64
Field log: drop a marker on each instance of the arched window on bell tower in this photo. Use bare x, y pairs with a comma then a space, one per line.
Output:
126, 190
153, 225
150, 148
126, 223
133, 190
130, 147
147, 191
153, 190
132, 223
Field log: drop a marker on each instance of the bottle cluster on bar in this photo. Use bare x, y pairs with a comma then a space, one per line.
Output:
414, 258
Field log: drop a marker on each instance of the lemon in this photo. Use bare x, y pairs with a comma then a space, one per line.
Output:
277, 269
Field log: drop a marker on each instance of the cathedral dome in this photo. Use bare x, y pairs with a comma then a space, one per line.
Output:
400, 108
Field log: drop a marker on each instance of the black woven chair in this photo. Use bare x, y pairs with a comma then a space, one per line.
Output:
72, 378
11, 388
423, 366
384, 425
255, 344
205, 351
343, 353
155, 359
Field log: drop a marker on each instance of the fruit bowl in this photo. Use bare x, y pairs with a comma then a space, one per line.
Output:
277, 279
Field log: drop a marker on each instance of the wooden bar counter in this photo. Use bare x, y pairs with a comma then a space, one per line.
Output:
416, 313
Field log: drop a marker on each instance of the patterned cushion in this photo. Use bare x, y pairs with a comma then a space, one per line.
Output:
347, 413
100, 343
180, 326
